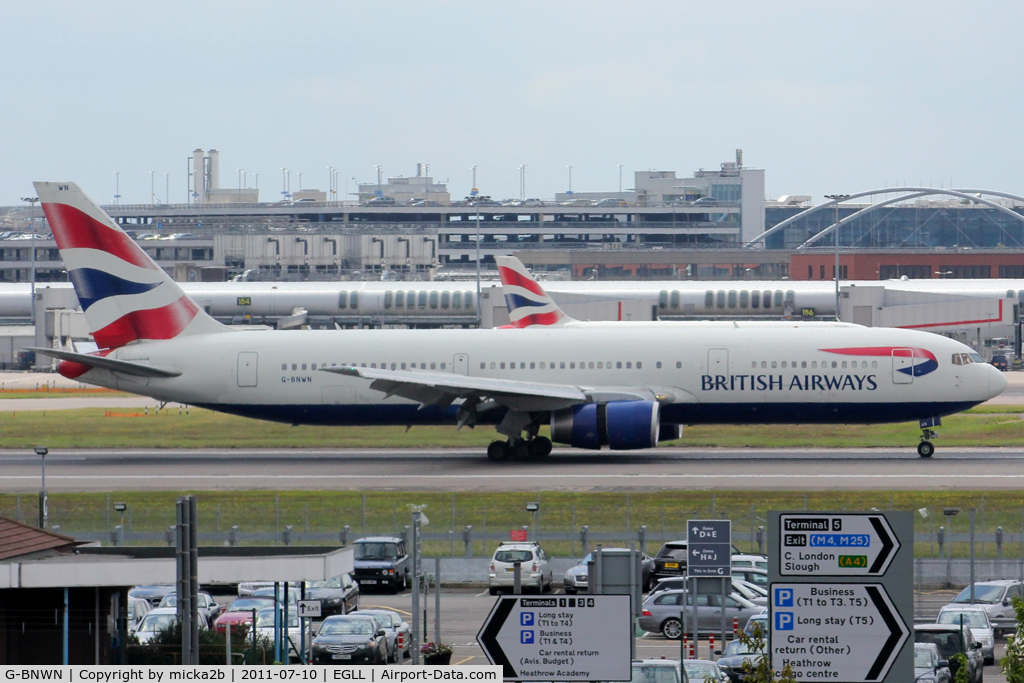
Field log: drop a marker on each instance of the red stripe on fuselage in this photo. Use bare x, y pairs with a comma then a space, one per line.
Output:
880, 351
75, 230
511, 277
165, 322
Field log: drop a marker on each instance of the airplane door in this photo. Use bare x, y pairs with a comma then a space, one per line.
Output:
247, 369
718, 361
460, 365
902, 366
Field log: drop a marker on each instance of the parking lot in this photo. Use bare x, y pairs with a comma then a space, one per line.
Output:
463, 611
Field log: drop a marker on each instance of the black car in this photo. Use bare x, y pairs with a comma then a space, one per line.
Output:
999, 362
349, 639
732, 660
670, 560
152, 594
381, 561
339, 595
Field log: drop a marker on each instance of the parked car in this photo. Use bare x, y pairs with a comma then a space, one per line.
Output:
746, 590
576, 577
757, 561
976, 619
207, 605
610, 201
999, 362
758, 621
293, 595
703, 670
381, 561
534, 567
240, 612
339, 595
160, 619
265, 629
661, 612
399, 633
758, 577
380, 201
154, 593
137, 608
183, 236
996, 597
670, 560
658, 671
735, 654
950, 640
929, 667
349, 639
250, 587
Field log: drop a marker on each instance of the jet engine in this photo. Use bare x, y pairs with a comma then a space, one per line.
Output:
621, 425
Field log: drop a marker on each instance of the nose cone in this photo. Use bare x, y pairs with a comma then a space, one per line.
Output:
996, 381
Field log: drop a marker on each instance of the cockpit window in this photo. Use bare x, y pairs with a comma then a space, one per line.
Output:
976, 357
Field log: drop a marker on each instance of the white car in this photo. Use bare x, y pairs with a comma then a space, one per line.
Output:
535, 571
757, 561
160, 619
265, 629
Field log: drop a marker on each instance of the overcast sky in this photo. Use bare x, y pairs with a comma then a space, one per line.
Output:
826, 96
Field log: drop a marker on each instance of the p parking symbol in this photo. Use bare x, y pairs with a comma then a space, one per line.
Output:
783, 597
526, 637
783, 621
526, 618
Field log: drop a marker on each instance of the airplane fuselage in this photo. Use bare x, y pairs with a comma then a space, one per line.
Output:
706, 372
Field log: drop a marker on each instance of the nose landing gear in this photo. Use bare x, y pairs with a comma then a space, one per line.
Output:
925, 449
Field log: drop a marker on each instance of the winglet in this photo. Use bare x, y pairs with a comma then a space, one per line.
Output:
528, 304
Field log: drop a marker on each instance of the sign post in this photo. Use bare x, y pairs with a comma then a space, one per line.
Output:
708, 554
559, 638
841, 595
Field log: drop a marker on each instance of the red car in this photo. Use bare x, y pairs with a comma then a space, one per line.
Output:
240, 613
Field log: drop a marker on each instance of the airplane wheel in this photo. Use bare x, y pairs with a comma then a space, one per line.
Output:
541, 446
925, 449
498, 451
522, 450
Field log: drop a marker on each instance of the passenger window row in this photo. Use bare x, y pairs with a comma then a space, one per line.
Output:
853, 364
742, 299
562, 365
383, 366
412, 300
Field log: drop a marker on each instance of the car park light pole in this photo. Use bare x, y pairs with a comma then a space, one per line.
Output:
44, 509
534, 508
120, 507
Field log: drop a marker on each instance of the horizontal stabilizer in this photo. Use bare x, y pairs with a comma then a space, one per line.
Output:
123, 366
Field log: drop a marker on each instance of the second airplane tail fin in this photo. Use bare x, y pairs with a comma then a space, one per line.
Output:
126, 296
528, 303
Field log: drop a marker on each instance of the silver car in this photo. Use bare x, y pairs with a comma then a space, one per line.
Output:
929, 667
996, 598
702, 670
661, 612
535, 571
399, 633
658, 671
975, 618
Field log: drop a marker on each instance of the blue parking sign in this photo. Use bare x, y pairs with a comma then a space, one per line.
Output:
783, 621
526, 618
526, 637
783, 597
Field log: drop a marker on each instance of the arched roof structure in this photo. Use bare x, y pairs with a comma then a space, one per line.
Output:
914, 192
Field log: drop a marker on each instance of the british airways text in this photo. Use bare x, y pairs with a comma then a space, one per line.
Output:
795, 383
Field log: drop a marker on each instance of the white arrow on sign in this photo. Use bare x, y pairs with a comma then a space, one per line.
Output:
836, 631
835, 545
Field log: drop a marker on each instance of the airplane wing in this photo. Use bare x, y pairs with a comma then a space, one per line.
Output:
442, 388
122, 366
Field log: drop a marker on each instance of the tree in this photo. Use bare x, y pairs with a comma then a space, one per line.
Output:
1013, 662
760, 670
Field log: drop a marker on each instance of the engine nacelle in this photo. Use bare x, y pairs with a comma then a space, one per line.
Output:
621, 425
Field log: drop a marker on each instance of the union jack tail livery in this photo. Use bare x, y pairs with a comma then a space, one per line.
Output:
125, 295
528, 303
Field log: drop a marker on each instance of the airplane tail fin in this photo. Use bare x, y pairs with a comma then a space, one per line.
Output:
528, 303
125, 295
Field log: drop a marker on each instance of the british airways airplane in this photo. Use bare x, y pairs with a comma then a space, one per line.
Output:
625, 386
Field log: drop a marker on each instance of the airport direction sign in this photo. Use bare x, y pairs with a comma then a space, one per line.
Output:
308, 608
836, 632
709, 547
815, 544
540, 638
841, 595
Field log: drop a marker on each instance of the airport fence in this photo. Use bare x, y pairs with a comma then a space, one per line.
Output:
472, 524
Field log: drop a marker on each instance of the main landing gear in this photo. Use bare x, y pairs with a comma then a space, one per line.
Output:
925, 449
520, 449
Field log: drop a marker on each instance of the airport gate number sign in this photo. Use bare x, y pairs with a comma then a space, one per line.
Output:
709, 547
835, 632
835, 545
559, 638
